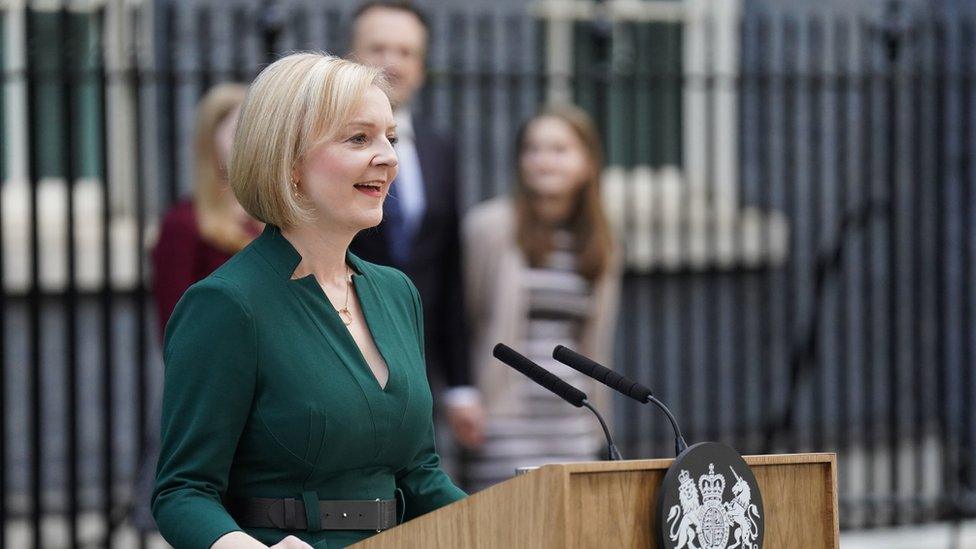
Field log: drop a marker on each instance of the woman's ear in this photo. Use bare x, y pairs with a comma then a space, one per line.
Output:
296, 177
295, 181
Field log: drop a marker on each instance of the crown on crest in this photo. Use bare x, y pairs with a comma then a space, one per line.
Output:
686, 486
711, 485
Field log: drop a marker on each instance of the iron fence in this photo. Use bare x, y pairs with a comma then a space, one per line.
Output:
799, 231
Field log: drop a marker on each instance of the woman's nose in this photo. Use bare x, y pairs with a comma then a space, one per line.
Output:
387, 156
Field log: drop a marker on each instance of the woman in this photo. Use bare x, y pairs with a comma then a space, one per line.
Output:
541, 271
296, 398
200, 235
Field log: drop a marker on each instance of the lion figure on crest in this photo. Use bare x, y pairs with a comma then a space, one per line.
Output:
684, 530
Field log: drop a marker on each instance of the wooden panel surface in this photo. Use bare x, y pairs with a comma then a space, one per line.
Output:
613, 508
604, 504
615, 505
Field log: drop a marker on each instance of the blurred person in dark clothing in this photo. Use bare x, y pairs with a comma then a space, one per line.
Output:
542, 269
420, 230
199, 235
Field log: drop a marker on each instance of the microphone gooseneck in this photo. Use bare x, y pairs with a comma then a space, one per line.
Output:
679, 441
613, 453
552, 382
617, 382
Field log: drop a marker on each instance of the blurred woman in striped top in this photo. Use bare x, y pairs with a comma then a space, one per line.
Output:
542, 269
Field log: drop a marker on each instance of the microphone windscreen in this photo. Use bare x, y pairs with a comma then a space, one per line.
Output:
539, 375
601, 373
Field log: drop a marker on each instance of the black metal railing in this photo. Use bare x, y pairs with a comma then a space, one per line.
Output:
839, 318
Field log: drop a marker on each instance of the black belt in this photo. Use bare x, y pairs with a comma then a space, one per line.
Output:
290, 514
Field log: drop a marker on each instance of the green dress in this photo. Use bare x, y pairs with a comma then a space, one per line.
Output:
267, 395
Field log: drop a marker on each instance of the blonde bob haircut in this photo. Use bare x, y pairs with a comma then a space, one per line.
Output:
294, 104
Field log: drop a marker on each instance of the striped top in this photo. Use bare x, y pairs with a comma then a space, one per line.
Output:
547, 429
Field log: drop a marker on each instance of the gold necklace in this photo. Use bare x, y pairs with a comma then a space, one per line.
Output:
344, 313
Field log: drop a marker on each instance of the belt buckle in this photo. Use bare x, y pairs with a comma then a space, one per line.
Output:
379, 516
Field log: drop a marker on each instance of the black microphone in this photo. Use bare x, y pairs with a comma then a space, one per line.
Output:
619, 383
552, 382
602, 374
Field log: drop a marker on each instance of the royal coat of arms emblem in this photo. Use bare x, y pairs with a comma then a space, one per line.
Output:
703, 520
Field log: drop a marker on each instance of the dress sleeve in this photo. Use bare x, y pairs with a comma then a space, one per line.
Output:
211, 367
426, 487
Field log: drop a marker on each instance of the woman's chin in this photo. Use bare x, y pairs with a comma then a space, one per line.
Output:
371, 219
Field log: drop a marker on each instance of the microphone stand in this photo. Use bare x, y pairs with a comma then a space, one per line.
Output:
618, 383
679, 441
553, 383
613, 453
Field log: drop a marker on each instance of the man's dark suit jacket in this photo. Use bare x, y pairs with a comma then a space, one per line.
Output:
435, 259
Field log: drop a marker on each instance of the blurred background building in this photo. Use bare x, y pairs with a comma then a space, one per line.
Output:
793, 183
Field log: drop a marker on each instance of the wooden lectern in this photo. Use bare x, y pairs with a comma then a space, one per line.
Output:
613, 504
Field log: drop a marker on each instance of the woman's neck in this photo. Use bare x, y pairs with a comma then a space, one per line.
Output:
323, 253
554, 210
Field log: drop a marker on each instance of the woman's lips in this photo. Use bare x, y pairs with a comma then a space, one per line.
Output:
374, 191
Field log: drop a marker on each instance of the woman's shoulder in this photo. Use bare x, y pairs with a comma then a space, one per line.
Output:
180, 218
495, 212
248, 271
243, 275
489, 228
217, 287
213, 304
177, 230
489, 225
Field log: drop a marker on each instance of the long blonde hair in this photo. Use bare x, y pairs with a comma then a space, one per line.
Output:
218, 224
588, 223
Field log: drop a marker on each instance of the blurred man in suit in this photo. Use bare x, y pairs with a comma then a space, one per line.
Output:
419, 233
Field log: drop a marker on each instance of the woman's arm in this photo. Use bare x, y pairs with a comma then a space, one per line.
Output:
210, 358
425, 485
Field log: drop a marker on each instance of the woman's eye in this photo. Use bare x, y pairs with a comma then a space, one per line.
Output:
393, 139
358, 138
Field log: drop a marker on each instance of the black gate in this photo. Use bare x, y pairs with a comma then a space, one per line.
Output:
819, 302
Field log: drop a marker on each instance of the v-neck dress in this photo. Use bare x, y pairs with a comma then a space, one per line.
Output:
267, 395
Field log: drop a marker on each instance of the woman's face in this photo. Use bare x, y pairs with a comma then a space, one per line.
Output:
553, 160
347, 177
